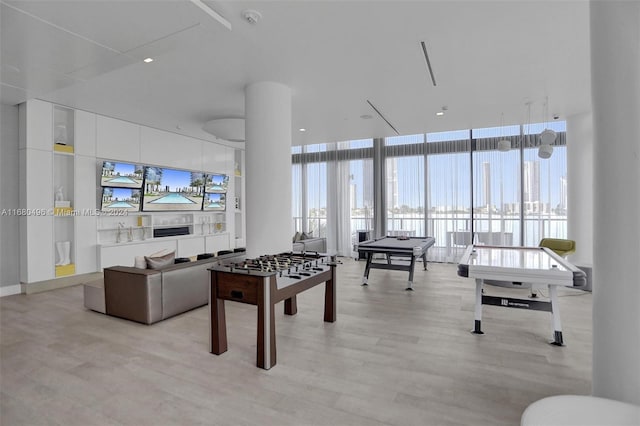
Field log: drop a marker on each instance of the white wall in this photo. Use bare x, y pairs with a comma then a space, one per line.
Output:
9, 199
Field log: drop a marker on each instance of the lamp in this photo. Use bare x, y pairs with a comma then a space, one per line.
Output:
545, 151
504, 145
547, 136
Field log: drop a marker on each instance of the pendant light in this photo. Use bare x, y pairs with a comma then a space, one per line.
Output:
504, 145
547, 136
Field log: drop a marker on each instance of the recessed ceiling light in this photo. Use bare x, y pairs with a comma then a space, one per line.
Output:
440, 113
147, 60
302, 129
366, 116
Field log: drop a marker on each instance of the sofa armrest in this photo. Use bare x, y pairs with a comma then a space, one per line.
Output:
134, 294
316, 244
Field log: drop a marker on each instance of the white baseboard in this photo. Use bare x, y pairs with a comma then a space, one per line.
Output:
10, 290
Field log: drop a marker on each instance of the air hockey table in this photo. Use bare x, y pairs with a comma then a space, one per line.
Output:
407, 249
519, 267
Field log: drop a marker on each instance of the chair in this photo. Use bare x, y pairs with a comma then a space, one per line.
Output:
559, 246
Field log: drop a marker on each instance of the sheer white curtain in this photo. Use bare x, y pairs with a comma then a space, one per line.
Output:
405, 185
496, 186
335, 191
544, 186
339, 220
448, 194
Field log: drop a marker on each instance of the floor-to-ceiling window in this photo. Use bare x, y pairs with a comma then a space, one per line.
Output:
309, 190
456, 186
496, 186
448, 193
333, 192
404, 185
544, 189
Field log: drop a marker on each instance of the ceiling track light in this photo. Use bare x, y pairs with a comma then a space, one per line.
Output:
426, 57
215, 15
383, 117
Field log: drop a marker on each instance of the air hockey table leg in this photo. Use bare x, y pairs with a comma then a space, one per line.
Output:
555, 315
477, 328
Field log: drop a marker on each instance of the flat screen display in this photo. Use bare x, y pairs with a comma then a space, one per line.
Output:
172, 190
215, 201
120, 199
122, 175
216, 182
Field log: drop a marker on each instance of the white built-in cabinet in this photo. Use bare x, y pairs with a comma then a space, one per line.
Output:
239, 199
61, 153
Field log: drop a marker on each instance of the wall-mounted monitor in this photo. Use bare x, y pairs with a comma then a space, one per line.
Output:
120, 199
122, 175
172, 190
215, 182
214, 201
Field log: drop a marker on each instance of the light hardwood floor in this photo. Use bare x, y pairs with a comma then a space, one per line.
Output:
392, 357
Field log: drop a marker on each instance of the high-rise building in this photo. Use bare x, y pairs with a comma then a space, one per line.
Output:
367, 183
563, 193
392, 183
353, 195
531, 190
486, 184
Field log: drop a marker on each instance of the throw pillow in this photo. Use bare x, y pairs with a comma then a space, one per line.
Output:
296, 237
160, 262
140, 262
306, 236
160, 253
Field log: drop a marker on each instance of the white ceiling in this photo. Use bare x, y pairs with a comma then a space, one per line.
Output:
488, 57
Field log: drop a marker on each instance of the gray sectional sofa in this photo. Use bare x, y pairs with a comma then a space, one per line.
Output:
311, 244
152, 295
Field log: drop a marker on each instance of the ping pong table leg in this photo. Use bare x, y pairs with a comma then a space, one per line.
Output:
477, 329
555, 315
367, 268
411, 266
424, 260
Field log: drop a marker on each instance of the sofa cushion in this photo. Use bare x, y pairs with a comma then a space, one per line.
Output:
160, 261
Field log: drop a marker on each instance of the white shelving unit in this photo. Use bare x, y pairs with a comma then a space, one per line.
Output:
92, 235
63, 191
239, 199
137, 227
113, 228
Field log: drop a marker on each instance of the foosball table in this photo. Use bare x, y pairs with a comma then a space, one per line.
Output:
263, 282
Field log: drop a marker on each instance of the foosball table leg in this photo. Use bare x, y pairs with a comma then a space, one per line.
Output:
291, 306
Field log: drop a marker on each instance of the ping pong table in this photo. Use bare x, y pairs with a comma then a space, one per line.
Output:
394, 248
